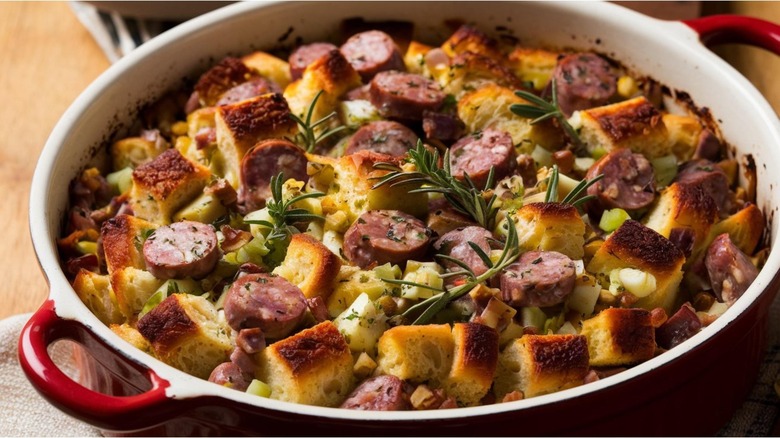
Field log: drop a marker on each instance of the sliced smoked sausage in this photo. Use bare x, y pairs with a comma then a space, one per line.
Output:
230, 375
371, 52
709, 176
380, 393
382, 236
730, 270
456, 245
583, 80
266, 159
268, 302
628, 182
537, 278
400, 95
383, 136
182, 249
247, 90
475, 154
304, 55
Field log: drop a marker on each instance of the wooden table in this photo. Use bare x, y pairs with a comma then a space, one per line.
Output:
48, 58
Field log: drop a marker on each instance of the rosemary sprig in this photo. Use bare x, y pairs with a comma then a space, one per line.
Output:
308, 135
465, 197
282, 216
433, 305
539, 110
574, 197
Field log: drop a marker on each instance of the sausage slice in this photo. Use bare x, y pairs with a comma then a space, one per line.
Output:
371, 52
583, 80
456, 244
537, 278
265, 301
709, 176
380, 393
475, 154
266, 159
182, 249
730, 270
304, 55
400, 95
382, 236
628, 182
384, 136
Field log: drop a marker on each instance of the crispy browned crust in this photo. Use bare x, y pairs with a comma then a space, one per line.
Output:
470, 39
335, 73
166, 325
477, 350
256, 118
551, 210
633, 120
639, 245
324, 265
123, 241
694, 198
481, 65
305, 352
164, 175
632, 331
558, 354
364, 161
220, 78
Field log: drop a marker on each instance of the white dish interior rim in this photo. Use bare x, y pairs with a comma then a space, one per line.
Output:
68, 306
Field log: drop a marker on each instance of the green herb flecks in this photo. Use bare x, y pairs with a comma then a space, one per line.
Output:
465, 197
308, 137
574, 197
537, 109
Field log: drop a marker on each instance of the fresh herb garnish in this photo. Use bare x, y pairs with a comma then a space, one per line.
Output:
574, 197
539, 110
282, 215
465, 197
433, 305
308, 137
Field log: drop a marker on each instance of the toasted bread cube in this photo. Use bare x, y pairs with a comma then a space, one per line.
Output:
471, 71
165, 184
418, 353
541, 364
240, 125
470, 39
310, 265
95, 292
619, 337
414, 58
635, 124
134, 151
185, 332
132, 336
269, 66
684, 132
533, 65
636, 246
488, 107
332, 74
351, 188
549, 226
226, 74
132, 288
744, 227
123, 240
474, 363
683, 206
313, 367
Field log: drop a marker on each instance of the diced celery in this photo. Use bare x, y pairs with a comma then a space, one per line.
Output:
184, 285
567, 329
582, 164
206, 208
86, 247
424, 273
153, 301
598, 152
259, 388
533, 317
120, 181
612, 219
388, 271
665, 169
512, 331
259, 215
253, 251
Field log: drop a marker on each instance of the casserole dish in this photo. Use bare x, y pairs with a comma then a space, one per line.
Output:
691, 389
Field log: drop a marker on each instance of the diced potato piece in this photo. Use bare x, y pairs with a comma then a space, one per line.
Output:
488, 107
635, 124
362, 324
584, 296
426, 273
350, 283
619, 337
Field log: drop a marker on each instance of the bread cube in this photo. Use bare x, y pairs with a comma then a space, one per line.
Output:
471, 71
414, 58
541, 364
470, 39
636, 246
474, 363
132, 288
240, 125
635, 124
221, 77
132, 336
417, 353
310, 265
185, 332
268, 66
134, 151
619, 337
533, 65
95, 292
744, 227
488, 107
312, 367
684, 132
123, 239
165, 184
549, 226
683, 206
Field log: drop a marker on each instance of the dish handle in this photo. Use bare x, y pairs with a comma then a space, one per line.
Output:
103, 411
736, 29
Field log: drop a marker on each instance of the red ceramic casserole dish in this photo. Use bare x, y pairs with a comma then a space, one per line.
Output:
692, 389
